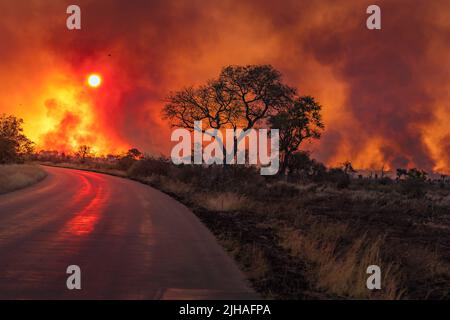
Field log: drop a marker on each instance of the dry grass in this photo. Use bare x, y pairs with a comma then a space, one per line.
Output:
341, 270
258, 267
428, 263
319, 238
441, 200
14, 177
364, 195
169, 185
222, 201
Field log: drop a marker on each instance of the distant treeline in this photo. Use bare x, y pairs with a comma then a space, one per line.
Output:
301, 168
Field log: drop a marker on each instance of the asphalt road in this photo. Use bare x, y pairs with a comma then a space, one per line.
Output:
130, 241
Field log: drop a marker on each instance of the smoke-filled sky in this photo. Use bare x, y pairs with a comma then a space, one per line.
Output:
385, 93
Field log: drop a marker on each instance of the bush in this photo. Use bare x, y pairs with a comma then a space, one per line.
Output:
221, 178
339, 178
125, 163
148, 167
414, 186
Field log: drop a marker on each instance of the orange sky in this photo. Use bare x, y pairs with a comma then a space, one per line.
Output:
385, 93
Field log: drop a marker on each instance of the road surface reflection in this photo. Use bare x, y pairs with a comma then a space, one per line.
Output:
84, 221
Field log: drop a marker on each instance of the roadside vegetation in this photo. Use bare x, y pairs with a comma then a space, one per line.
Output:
15, 149
18, 176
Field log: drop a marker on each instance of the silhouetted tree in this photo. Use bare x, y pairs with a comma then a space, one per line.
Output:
339, 177
83, 152
443, 180
14, 145
401, 172
298, 119
134, 154
300, 164
417, 174
241, 97
347, 167
382, 171
126, 161
415, 183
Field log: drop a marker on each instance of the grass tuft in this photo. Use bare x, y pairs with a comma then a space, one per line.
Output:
14, 177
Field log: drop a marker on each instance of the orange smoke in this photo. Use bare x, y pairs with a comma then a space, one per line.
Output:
385, 93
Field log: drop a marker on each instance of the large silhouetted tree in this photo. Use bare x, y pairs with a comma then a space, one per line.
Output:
246, 97
14, 145
298, 120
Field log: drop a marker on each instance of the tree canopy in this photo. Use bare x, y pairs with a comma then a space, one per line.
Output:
14, 145
240, 97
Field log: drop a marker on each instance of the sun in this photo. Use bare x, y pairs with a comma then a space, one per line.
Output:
94, 80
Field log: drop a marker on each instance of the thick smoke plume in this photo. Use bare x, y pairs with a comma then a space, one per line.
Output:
385, 92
